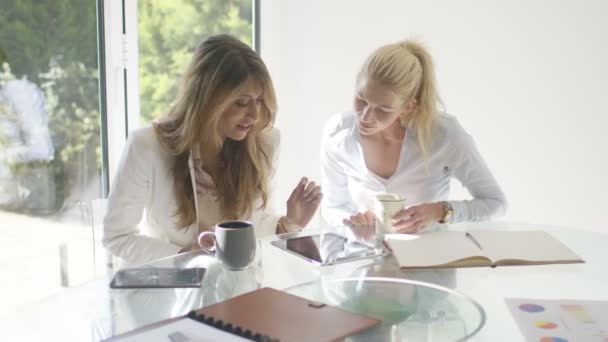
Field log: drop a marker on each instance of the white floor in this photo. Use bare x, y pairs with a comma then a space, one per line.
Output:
30, 249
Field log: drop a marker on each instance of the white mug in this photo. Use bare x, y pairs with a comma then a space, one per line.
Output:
385, 208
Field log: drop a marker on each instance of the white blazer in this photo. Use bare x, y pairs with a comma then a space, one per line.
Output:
143, 187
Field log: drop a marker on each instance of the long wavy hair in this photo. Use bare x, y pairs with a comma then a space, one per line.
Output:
408, 68
220, 66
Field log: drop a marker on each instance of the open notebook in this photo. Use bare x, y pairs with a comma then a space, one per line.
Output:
479, 248
264, 314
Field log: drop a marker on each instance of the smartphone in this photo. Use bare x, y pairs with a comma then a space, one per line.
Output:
131, 278
327, 249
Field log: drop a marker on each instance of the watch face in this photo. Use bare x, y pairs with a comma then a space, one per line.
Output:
447, 213
447, 218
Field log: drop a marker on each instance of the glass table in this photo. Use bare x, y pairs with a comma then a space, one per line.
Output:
409, 310
452, 303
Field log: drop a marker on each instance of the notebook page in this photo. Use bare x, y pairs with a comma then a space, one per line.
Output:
183, 330
533, 246
432, 249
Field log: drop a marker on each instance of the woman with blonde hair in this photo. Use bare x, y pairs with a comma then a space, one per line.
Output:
397, 141
209, 159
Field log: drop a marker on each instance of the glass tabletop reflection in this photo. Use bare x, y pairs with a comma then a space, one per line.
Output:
409, 310
369, 284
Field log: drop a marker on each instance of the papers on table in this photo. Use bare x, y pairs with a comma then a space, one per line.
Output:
560, 320
182, 330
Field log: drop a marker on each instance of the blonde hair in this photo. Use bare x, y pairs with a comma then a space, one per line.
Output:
220, 66
408, 68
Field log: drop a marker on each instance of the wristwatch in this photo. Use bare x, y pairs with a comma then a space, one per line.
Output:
448, 212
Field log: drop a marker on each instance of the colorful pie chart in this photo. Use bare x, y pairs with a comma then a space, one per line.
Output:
546, 325
553, 339
531, 308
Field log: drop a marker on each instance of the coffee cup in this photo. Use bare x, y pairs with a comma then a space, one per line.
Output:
234, 243
385, 208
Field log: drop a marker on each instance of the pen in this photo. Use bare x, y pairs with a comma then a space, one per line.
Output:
472, 238
178, 336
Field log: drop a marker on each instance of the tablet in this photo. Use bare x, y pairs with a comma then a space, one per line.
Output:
328, 248
157, 278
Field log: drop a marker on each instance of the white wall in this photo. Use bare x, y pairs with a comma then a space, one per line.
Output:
527, 79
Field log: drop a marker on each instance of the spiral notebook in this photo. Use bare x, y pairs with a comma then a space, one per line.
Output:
261, 315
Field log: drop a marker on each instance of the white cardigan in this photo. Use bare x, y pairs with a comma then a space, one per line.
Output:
144, 183
349, 185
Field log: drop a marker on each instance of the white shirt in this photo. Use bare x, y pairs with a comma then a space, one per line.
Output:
29, 138
24, 135
348, 185
144, 183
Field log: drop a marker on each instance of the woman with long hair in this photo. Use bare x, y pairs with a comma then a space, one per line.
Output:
398, 141
209, 159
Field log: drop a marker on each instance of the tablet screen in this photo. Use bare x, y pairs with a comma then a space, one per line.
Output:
326, 249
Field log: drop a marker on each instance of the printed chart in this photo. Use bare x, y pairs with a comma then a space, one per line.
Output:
560, 320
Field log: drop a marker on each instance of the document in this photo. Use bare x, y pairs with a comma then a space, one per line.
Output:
179, 330
560, 320
478, 248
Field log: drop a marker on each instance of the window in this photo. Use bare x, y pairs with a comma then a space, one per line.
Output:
74, 77
168, 33
50, 146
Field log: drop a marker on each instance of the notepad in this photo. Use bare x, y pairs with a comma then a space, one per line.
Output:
182, 329
286, 317
264, 314
479, 248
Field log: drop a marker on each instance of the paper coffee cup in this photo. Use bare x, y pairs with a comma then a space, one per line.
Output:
385, 208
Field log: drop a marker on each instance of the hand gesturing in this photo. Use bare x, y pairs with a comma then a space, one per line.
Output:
303, 202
